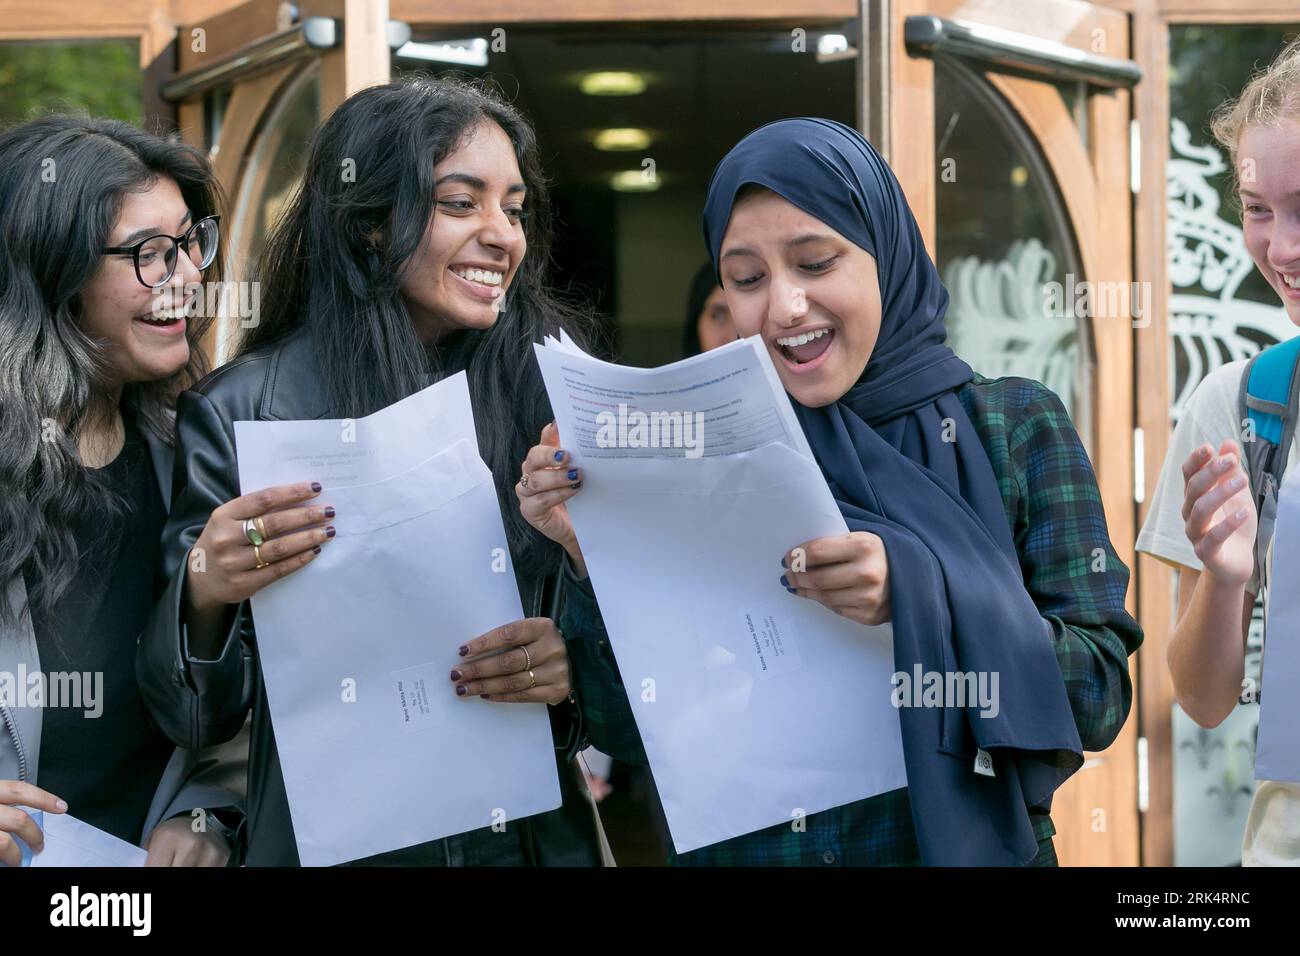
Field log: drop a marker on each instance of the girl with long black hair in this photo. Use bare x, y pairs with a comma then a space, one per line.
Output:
414, 248
104, 232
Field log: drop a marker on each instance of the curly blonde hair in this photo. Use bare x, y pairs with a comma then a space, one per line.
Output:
1270, 98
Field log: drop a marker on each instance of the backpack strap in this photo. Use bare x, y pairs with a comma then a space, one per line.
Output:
1269, 392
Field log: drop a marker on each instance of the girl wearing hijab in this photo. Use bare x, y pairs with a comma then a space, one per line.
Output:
976, 526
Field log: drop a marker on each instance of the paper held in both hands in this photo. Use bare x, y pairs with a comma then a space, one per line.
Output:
756, 707
1277, 749
377, 751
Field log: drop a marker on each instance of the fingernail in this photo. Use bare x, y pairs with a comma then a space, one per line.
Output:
463, 650
576, 485
456, 675
316, 549
61, 804
791, 590
573, 474
559, 456
329, 531
329, 512
315, 486
1237, 482
783, 560
784, 581
460, 690
1241, 513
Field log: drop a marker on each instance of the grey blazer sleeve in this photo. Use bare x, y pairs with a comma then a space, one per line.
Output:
213, 778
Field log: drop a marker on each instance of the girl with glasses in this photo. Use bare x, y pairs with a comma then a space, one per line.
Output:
102, 227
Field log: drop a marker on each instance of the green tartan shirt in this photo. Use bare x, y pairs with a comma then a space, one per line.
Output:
1054, 509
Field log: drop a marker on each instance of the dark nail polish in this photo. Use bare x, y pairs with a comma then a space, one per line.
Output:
573, 474
791, 590
463, 650
329, 531
460, 690
576, 485
486, 696
456, 675
559, 456
329, 512
316, 549
783, 560
784, 582
315, 486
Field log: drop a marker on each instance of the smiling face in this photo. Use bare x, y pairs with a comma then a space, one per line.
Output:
813, 295
140, 344
475, 240
1268, 161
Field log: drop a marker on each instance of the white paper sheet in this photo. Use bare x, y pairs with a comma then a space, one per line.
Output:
377, 751
756, 707
1277, 748
73, 842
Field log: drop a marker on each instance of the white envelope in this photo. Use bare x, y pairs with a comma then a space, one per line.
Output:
377, 751
73, 842
755, 706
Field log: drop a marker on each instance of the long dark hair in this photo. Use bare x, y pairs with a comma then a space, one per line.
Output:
62, 183
323, 271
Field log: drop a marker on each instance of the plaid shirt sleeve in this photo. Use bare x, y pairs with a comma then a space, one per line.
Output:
1070, 568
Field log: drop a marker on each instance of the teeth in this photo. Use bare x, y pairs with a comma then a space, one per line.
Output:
803, 339
1292, 281
480, 275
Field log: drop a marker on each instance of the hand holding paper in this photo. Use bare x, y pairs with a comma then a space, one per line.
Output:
755, 707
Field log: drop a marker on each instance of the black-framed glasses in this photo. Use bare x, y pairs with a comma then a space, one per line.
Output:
155, 256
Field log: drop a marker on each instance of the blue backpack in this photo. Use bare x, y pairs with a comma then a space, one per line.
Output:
1268, 401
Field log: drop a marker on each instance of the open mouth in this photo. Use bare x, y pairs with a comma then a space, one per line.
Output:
486, 284
806, 350
1290, 283
172, 320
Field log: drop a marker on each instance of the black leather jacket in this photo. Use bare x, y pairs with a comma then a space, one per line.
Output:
198, 703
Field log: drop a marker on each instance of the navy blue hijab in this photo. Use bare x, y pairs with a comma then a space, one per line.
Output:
957, 596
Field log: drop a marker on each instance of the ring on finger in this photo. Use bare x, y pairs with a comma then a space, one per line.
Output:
258, 555
523, 482
528, 658
253, 533
260, 525
532, 678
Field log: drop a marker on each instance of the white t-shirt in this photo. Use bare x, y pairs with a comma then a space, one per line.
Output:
1272, 836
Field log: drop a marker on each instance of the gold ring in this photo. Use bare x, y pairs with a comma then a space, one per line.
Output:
524, 481
528, 658
532, 677
251, 532
258, 555
260, 525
